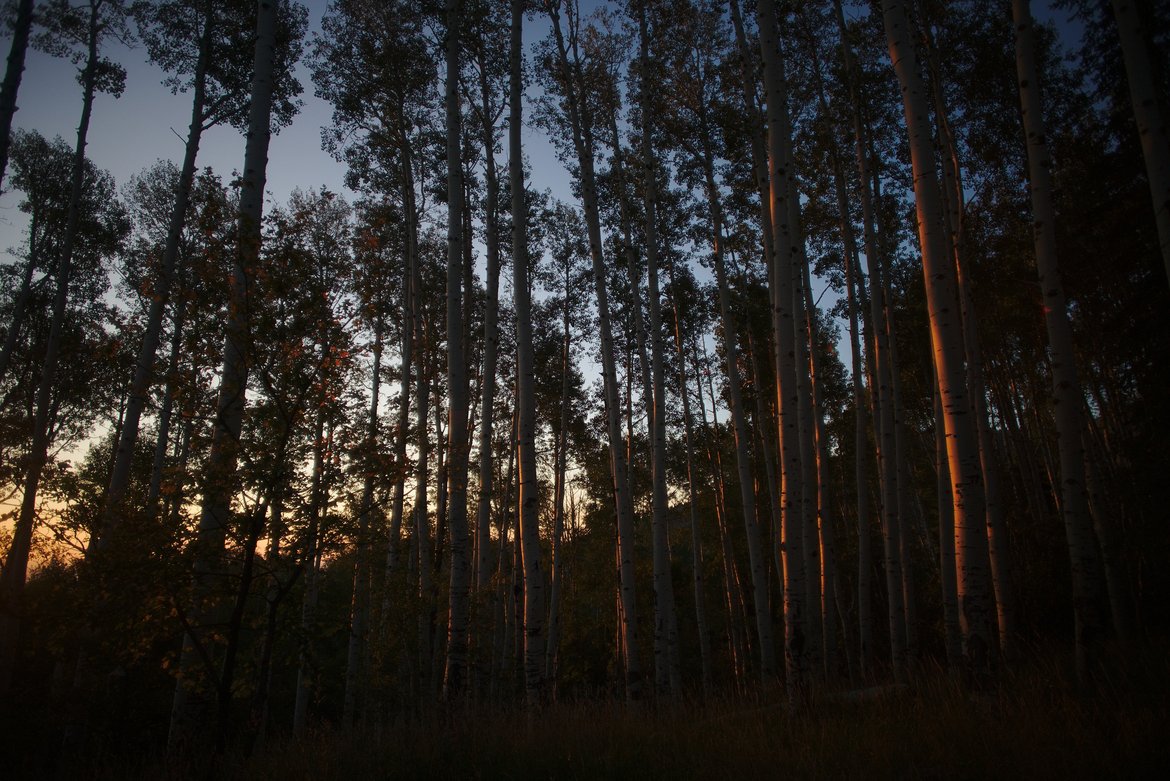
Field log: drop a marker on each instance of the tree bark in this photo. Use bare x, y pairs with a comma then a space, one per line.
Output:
756, 557
560, 457
954, 208
784, 325
952, 635
166, 412
697, 570
975, 597
534, 636
1089, 605
410, 335
665, 619
455, 678
491, 343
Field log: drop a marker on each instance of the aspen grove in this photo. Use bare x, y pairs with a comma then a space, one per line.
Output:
654, 354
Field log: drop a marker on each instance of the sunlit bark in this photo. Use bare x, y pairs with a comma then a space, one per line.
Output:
975, 598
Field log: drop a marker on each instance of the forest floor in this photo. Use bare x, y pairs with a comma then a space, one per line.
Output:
1030, 724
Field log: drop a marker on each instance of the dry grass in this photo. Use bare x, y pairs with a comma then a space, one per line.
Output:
1031, 726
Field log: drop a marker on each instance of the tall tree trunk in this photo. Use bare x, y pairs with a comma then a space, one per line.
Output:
583, 142
501, 602
221, 465
1148, 111
560, 462
697, 570
974, 583
665, 619
15, 571
11, 85
113, 510
759, 149
784, 334
861, 478
759, 155
166, 412
359, 620
732, 586
491, 344
954, 209
902, 498
756, 556
308, 661
273, 596
410, 335
1089, 604
825, 532
455, 679
534, 637
879, 368
952, 635
422, 525
806, 415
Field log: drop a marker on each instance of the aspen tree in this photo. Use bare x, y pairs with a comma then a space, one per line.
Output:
954, 208
534, 599
304, 689
784, 334
581, 126
663, 584
359, 616
697, 571
952, 635
878, 368
1089, 604
455, 678
221, 466
975, 598
861, 427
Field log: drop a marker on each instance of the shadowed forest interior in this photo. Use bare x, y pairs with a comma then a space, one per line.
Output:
816, 419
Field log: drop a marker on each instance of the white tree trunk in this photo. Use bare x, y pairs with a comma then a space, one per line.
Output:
975, 597
1088, 594
784, 333
534, 615
455, 677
